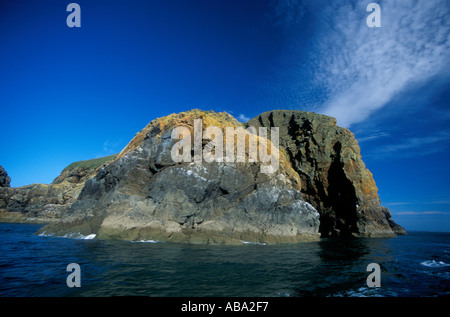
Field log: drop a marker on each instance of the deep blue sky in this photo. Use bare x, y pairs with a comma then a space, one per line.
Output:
69, 94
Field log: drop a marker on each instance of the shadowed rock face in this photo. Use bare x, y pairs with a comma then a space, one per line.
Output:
333, 176
145, 195
4, 178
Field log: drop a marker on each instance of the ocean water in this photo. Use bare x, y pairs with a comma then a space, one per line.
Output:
415, 265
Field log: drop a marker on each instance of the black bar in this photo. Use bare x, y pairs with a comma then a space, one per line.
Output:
303, 306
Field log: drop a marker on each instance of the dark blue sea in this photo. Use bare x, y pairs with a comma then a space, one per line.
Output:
415, 265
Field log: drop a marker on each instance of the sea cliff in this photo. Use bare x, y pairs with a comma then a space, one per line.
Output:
320, 186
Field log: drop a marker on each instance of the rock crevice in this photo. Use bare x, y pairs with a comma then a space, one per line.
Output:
334, 178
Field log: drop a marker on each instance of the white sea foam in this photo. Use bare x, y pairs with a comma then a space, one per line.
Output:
78, 235
71, 235
434, 263
249, 242
435, 273
365, 292
147, 241
45, 234
283, 294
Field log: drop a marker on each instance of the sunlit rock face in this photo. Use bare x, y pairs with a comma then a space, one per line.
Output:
145, 195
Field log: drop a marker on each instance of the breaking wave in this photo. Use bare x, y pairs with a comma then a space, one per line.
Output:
249, 242
365, 292
72, 235
146, 241
434, 263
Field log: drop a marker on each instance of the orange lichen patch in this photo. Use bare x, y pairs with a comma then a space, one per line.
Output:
186, 119
183, 119
221, 120
369, 189
138, 138
286, 166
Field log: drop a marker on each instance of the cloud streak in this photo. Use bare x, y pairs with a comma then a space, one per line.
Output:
417, 146
360, 69
421, 213
243, 118
367, 67
373, 136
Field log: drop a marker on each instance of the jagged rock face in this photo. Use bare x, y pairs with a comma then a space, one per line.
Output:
4, 178
145, 195
36, 202
43, 203
333, 176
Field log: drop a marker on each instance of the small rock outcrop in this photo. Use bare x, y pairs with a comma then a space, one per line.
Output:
334, 178
42, 203
5, 180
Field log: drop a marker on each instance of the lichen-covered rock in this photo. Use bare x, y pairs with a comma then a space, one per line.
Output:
145, 195
334, 178
29, 203
320, 187
42, 203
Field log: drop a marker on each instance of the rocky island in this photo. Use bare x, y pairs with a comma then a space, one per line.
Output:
320, 188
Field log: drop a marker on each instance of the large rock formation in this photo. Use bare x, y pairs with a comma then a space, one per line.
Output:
320, 188
42, 203
4, 178
145, 195
333, 176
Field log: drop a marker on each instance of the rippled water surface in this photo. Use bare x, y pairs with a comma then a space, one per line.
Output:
414, 265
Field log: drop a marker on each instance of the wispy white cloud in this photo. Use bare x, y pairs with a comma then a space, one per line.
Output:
242, 118
417, 142
360, 69
373, 136
364, 68
418, 202
401, 203
111, 147
420, 213
441, 202
417, 146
